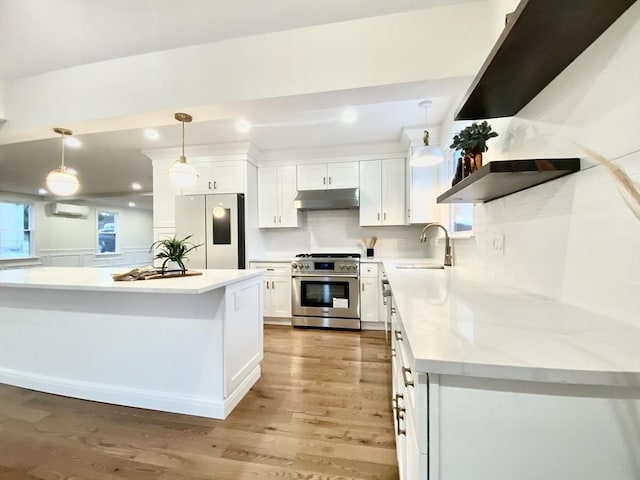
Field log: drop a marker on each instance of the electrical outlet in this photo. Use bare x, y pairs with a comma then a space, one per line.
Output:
497, 243
402, 242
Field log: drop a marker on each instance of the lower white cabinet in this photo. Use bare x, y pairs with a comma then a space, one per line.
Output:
460, 427
276, 286
369, 292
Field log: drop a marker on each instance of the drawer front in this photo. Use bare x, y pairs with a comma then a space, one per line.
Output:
369, 270
279, 268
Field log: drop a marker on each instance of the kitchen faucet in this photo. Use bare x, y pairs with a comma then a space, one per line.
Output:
447, 244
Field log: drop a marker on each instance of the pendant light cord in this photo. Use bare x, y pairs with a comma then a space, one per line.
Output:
183, 159
62, 169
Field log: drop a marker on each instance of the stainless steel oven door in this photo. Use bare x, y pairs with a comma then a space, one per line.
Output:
326, 296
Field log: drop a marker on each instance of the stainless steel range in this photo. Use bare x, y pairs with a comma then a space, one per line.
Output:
326, 290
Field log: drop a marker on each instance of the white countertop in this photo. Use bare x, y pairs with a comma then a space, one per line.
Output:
99, 279
459, 326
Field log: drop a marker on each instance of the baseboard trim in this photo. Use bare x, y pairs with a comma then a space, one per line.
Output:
197, 405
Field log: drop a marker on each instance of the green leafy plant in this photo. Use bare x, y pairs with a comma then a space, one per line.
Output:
473, 139
172, 249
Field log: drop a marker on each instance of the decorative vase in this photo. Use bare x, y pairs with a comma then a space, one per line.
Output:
471, 162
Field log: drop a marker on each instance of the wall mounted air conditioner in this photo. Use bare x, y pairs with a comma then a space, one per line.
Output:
69, 210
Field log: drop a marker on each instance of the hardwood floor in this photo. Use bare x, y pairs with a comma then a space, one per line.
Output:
320, 411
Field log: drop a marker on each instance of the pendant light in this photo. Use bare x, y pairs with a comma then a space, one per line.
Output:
60, 181
181, 173
428, 155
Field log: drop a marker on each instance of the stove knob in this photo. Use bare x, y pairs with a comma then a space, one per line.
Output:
306, 265
295, 265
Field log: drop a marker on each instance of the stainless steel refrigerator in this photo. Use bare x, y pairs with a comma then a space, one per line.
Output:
216, 222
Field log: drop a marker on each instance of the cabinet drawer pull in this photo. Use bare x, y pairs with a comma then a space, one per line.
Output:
385, 215
209, 185
329, 180
378, 215
274, 219
324, 180
280, 219
407, 382
398, 335
267, 284
215, 185
400, 416
273, 285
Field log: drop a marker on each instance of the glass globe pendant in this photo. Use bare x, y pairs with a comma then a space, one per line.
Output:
60, 181
181, 173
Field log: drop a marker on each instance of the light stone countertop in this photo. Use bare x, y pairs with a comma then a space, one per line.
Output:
99, 279
456, 325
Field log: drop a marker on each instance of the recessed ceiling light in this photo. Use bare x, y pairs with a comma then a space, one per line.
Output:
243, 126
131, 204
349, 116
42, 191
136, 186
151, 134
72, 142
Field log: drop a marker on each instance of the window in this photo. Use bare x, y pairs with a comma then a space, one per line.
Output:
107, 232
460, 214
15, 230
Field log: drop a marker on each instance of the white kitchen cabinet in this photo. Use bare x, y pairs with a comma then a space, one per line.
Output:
276, 194
328, 176
423, 187
382, 192
451, 427
164, 194
369, 293
276, 288
218, 177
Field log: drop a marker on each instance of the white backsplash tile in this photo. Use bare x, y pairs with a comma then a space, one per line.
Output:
340, 231
574, 239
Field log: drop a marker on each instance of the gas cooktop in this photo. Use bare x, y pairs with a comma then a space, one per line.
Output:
328, 255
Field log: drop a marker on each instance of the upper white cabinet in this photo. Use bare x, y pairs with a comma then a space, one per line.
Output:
382, 192
164, 194
422, 190
276, 193
218, 177
328, 176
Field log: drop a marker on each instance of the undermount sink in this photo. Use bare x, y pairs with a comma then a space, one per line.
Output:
420, 266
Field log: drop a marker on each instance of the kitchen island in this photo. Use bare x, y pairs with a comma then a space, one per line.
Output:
494, 382
189, 345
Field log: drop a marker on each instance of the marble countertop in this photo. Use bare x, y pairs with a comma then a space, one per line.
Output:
99, 279
454, 324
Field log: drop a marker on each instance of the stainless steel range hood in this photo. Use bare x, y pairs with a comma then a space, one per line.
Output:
327, 199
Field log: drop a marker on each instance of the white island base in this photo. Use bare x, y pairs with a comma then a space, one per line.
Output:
188, 345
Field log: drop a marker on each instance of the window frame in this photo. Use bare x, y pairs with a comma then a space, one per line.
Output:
116, 230
31, 213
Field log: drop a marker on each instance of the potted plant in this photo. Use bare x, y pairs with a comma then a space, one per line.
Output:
172, 249
472, 140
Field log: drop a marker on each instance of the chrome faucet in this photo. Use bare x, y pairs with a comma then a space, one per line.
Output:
447, 243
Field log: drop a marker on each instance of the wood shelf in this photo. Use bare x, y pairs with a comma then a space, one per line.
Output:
543, 37
497, 179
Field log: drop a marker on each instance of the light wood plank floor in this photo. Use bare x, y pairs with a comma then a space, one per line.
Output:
321, 410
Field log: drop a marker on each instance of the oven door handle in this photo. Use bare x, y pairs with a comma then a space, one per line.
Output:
311, 275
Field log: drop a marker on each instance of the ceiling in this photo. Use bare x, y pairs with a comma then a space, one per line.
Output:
65, 33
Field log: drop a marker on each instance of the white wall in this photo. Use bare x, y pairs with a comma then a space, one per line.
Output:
574, 239
64, 241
